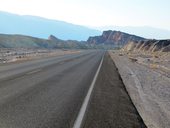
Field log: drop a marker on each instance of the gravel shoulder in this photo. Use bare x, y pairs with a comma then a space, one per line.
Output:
148, 89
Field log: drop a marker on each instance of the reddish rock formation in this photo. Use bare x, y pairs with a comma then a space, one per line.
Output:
113, 38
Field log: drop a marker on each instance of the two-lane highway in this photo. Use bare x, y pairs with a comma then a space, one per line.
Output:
46, 93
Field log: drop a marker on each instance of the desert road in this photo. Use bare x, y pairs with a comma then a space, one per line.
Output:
49, 92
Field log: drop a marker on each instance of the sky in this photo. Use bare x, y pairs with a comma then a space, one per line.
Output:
95, 13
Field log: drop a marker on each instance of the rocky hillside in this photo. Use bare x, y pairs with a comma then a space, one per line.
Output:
67, 43
113, 38
21, 41
148, 45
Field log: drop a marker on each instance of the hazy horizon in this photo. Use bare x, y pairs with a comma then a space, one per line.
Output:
96, 13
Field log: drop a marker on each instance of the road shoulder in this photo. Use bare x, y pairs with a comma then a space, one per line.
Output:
148, 89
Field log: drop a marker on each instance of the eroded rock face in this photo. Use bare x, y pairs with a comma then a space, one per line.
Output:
148, 45
53, 38
113, 38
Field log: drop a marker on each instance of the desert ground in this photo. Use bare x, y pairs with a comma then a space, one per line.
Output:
8, 55
146, 77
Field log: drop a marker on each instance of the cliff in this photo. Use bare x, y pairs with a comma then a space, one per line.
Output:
113, 38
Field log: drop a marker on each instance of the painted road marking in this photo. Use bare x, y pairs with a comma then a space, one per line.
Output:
35, 71
79, 120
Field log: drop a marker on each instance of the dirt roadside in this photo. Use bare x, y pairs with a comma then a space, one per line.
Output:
110, 105
148, 89
35, 56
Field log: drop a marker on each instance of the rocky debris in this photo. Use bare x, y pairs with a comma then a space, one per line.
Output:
113, 38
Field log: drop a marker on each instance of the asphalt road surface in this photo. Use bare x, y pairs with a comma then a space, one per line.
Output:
49, 92
110, 105
46, 93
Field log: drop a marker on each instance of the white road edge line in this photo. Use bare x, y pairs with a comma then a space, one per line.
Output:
79, 119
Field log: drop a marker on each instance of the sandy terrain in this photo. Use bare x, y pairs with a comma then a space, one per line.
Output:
148, 84
158, 61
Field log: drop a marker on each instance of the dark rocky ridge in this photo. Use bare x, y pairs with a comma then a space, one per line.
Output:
68, 43
53, 38
113, 38
21, 41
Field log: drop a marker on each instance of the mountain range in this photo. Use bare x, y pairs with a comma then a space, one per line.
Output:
21, 41
42, 27
108, 40
66, 35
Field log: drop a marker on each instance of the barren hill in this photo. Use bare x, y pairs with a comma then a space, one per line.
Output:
21, 41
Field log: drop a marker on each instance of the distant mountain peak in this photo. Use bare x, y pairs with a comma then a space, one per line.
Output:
53, 38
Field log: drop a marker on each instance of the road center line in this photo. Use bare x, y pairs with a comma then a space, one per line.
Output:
79, 119
35, 71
